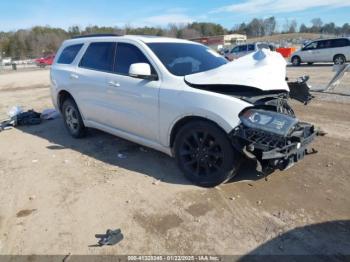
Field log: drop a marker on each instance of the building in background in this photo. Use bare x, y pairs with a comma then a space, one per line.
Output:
221, 41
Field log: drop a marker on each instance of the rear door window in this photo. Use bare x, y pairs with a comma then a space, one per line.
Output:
99, 56
324, 44
126, 55
68, 54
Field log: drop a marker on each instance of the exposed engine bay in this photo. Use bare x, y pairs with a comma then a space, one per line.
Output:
269, 131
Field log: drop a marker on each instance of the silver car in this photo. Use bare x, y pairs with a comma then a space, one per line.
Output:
242, 50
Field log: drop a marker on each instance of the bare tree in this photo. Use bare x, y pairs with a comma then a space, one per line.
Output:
269, 25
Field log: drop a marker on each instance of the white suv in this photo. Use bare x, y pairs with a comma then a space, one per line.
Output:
325, 50
183, 99
242, 50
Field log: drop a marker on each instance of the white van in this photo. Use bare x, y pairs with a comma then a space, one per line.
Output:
326, 50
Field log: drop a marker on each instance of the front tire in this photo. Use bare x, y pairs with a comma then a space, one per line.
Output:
72, 119
205, 154
296, 61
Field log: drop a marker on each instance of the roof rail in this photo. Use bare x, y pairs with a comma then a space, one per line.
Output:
94, 35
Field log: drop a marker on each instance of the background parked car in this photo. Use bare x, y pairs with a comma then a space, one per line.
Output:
335, 50
6, 61
45, 61
242, 50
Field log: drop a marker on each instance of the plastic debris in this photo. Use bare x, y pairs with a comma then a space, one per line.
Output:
111, 237
14, 111
50, 114
156, 182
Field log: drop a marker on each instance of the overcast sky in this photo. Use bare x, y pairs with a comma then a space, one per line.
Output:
17, 14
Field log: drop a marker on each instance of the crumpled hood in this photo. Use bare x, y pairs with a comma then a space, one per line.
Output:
263, 69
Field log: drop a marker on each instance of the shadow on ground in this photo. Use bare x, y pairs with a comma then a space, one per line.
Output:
329, 241
119, 152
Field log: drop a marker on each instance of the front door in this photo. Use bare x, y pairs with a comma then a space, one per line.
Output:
309, 53
132, 102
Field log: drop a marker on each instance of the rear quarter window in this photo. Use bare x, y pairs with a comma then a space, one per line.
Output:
69, 53
341, 42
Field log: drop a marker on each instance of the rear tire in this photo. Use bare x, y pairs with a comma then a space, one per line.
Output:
339, 59
296, 61
72, 119
205, 154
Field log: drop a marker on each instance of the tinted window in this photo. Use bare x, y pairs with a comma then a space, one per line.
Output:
312, 45
242, 48
126, 55
69, 53
340, 42
184, 58
324, 44
235, 50
251, 47
99, 56
263, 45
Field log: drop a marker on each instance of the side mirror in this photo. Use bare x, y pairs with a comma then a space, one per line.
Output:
141, 70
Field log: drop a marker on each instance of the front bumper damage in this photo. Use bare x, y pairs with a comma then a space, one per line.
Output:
273, 151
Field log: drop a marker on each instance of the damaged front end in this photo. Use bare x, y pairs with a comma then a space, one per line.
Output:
275, 140
268, 131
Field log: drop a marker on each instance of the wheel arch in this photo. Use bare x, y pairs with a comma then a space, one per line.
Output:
339, 54
62, 96
296, 55
187, 119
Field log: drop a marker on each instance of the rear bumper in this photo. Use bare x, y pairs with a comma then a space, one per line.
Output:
273, 151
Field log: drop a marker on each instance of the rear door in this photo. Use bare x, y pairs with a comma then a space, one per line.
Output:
91, 80
325, 51
132, 103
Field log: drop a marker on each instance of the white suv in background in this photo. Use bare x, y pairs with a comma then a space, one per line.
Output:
242, 50
183, 99
335, 50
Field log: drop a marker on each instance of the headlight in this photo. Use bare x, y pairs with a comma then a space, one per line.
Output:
269, 121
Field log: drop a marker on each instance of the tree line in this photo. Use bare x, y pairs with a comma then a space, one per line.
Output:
42, 40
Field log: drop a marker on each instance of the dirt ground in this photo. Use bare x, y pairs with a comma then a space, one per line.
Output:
57, 192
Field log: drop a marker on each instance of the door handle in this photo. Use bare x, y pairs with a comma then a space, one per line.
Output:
74, 76
112, 83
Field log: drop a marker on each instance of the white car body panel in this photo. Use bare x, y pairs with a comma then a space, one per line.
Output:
145, 111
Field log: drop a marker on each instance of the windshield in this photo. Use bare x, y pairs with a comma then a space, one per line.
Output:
185, 59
